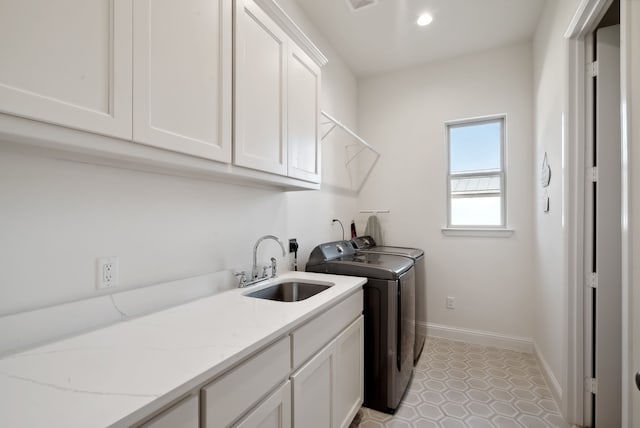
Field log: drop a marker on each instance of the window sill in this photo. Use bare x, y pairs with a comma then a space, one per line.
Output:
477, 232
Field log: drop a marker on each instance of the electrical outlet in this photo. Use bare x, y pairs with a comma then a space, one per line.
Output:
107, 272
451, 302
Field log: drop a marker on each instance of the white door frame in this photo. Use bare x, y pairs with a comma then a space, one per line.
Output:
588, 14
630, 138
607, 205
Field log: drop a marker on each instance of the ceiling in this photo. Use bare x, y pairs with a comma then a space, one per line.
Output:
383, 36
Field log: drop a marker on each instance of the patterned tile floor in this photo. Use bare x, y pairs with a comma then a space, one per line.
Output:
461, 385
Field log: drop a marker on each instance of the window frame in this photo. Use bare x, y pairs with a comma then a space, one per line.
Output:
502, 172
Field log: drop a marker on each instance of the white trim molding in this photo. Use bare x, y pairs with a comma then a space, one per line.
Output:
572, 406
587, 13
477, 232
552, 382
286, 23
630, 93
570, 394
479, 337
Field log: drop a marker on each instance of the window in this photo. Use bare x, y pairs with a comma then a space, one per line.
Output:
476, 177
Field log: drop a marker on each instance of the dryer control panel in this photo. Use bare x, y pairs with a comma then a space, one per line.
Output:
331, 251
363, 242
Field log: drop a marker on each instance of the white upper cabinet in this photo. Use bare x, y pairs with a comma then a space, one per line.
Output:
260, 140
68, 62
277, 93
182, 76
232, 81
303, 116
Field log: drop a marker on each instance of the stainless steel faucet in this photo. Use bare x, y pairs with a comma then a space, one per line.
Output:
254, 269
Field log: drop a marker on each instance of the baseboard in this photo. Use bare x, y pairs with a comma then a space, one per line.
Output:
479, 337
552, 382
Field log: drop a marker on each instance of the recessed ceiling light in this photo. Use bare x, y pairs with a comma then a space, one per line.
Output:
424, 19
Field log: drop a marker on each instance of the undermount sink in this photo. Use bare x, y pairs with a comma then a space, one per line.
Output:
289, 291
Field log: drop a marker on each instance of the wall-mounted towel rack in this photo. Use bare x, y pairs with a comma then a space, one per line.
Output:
375, 211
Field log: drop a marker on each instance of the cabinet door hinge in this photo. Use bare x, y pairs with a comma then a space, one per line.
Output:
592, 174
592, 69
591, 385
592, 280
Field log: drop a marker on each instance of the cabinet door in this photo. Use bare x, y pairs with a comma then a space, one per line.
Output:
303, 116
349, 391
182, 76
183, 415
68, 62
230, 396
313, 389
260, 140
312, 336
273, 412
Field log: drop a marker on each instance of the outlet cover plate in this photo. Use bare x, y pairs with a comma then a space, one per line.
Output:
451, 302
107, 269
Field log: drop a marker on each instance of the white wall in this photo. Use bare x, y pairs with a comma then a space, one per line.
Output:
402, 114
550, 258
57, 216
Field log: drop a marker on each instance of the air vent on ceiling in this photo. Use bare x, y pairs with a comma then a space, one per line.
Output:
360, 4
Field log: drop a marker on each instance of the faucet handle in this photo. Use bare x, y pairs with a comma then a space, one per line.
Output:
273, 267
264, 271
242, 282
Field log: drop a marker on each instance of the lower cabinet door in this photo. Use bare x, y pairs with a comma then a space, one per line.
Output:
313, 388
274, 412
183, 415
230, 396
349, 391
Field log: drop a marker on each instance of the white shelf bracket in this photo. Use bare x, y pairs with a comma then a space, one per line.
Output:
332, 123
337, 123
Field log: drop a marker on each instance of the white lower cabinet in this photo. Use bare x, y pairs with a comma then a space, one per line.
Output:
349, 386
230, 396
313, 389
310, 378
183, 415
328, 390
274, 412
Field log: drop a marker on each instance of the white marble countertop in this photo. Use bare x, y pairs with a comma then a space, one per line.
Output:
116, 375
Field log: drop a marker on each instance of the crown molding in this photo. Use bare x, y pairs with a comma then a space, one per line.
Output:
276, 13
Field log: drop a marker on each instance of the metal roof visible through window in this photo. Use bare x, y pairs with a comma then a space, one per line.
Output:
475, 185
